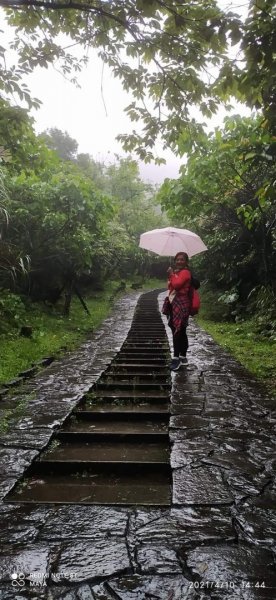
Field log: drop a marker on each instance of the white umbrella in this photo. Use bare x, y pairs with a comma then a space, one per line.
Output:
170, 240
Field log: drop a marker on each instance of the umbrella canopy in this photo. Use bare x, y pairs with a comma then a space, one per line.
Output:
170, 240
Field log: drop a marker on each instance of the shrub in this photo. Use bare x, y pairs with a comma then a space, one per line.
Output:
262, 302
12, 310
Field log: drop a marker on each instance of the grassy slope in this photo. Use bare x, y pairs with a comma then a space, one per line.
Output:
253, 351
52, 333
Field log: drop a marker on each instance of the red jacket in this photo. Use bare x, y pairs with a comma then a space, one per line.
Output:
180, 282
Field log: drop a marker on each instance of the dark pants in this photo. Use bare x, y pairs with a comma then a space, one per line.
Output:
180, 341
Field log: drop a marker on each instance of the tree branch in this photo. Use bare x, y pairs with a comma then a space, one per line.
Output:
56, 5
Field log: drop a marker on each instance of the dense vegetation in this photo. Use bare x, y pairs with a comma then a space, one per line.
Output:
227, 194
66, 224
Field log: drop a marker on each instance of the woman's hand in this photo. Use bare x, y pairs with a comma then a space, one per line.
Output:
170, 271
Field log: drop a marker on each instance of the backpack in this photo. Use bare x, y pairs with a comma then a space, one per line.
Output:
194, 301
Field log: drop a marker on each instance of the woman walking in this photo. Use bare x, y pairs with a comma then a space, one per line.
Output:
177, 307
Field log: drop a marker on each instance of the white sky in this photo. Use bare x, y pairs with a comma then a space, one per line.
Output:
94, 117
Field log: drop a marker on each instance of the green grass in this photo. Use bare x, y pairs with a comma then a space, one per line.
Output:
53, 334
255, 352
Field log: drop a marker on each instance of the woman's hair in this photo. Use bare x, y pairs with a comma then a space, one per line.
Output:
183, 254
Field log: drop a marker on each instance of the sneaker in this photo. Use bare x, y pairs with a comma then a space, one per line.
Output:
175, 364
183, 359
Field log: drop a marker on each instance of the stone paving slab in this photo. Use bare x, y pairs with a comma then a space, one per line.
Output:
6, 484
90, 560
221, 528
13, 462
184, 526
246, 568
29, 558
200, 486
85, 522
27, 438
136, 587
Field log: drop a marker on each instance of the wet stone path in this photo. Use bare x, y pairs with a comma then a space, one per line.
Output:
114, 448
215, 541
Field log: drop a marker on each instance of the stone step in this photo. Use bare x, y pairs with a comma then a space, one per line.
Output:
148, 344
107, 452
131, 395
134, 360
146, 333
135, 377
143, 357
147, 350
147, 327
112, 426
146, 341
96, 487
104, 409
111, 436
136, 367
142, 385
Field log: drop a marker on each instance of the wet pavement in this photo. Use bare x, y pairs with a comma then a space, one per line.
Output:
217, 539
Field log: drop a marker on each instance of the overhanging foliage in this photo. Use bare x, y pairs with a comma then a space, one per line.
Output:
167, 54
226, 193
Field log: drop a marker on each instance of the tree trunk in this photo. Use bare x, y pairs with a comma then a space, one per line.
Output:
81, 300
68, 297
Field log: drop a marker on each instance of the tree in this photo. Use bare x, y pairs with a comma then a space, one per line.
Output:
92, 169
70, 219
169, 55
60, 141
21, 148
12, 261
3, 201
58, 221
161, 51
135, 212
226, 193
257, 83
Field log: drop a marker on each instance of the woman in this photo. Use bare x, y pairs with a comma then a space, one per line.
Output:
179, 285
